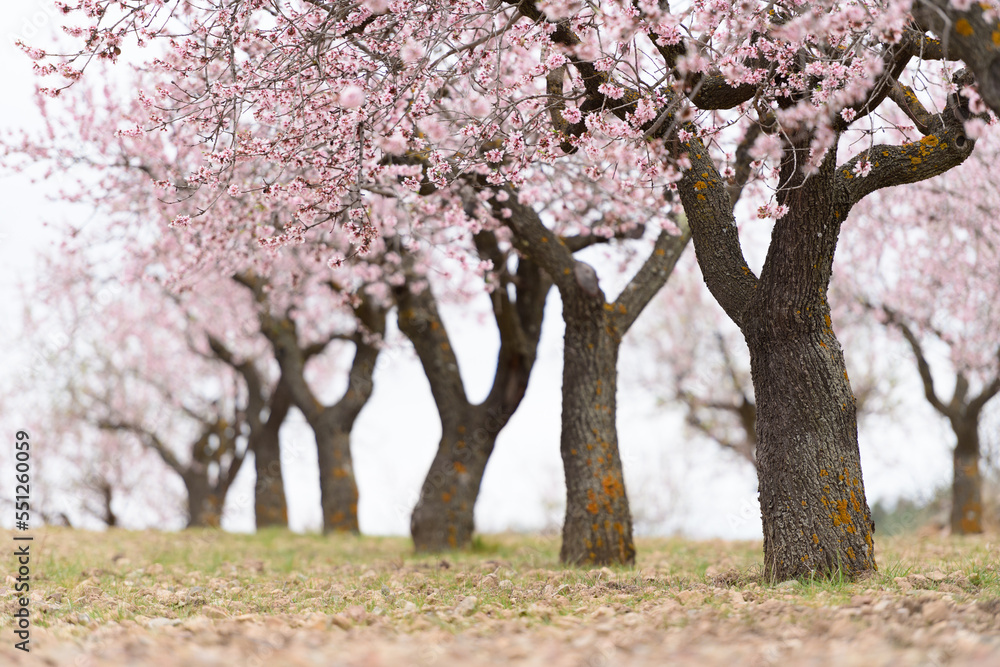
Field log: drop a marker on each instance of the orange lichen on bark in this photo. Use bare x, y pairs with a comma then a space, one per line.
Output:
963, 27
592, 501
459, 467
612, 486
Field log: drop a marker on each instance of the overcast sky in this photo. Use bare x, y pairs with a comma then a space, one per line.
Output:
675, 482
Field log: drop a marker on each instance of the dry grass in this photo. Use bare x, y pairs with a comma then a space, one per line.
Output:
215, 598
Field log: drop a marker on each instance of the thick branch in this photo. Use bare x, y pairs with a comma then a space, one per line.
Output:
420, 321
945, 147
653, 275
713, 227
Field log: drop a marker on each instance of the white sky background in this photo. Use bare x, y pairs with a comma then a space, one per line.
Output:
676, 483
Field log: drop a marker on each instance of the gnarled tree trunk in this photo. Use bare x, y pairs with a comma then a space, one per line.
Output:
444, 515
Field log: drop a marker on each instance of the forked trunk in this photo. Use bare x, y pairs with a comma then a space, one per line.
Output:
967, 488
444, 516
598, 525
338, 490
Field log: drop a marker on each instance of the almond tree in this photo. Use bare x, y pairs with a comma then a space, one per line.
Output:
646, 96
935, 281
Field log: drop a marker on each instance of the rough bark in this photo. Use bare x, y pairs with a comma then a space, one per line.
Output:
814, 512
598, 524
815, 515
444, 514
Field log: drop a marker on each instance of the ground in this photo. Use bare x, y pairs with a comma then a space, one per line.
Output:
276, 598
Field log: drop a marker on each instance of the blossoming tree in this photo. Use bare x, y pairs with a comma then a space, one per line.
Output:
935, 281
492, 95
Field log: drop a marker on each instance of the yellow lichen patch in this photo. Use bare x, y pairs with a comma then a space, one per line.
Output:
701, 197
612, 486
445, 347
930, 140
340, 473
566, 271
963, 27
815, 538
591, 501
573, 452
700, 185
459, 467
545, 239
842, 517
996, 38
854, 503
445, 497
660, 252
823, 473
435, 326
850, 553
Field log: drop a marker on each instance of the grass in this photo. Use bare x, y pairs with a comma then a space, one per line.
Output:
87, 579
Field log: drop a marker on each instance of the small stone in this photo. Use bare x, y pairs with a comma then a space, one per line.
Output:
937, 575
736, 598
368, 575
788, 584
407, 607
489, 582
356, 613
161, 622
213, 612
935, 611
467, 606
903, 583
506, 585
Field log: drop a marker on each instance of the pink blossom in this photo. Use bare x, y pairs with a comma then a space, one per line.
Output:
352, 96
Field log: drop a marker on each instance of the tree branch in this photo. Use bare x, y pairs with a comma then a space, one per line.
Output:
946, 147
652, 276
966, 35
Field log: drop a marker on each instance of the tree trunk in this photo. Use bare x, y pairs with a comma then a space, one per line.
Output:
598, 525
204, 504
338, 489
815, 516
444, 516
967, 488
812, 498
270, 507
